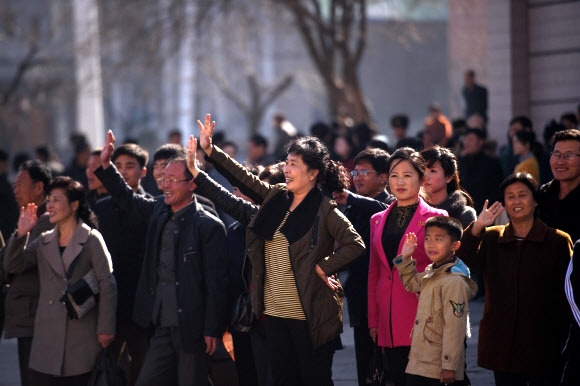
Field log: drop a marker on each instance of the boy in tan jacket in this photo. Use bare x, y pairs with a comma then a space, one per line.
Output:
437, 349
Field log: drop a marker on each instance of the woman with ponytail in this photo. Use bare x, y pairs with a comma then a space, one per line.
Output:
291, 240
64, 347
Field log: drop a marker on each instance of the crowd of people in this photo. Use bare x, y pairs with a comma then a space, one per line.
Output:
418, 230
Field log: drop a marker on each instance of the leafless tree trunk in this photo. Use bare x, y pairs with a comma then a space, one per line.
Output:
334, 33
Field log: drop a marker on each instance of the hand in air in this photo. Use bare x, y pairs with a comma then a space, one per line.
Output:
108, 150
27, 219
409, 246
191, 152
205, 132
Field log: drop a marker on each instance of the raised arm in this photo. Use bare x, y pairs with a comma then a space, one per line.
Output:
236, 174
120, 192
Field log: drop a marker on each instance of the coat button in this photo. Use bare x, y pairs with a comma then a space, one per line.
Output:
179, 311
50, 276
446, 357
50, 302
177, 284
416, 322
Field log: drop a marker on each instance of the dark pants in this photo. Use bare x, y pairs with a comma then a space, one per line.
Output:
395, 362
511, 379
27, 376
260, 351
243, 352
417, 380
129, 348
42, 379
363, 350
167, 364
293, 357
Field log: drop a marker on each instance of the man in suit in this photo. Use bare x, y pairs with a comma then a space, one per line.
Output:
183, 282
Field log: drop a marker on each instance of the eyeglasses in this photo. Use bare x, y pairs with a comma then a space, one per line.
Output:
362, 172
170, 181
566, 156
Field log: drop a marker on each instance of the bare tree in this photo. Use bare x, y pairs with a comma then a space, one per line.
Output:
334, 33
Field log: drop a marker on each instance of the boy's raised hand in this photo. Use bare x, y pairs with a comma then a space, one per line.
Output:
205, 133
409, 246
108, 150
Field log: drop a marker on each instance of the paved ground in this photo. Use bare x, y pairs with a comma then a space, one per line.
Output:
344, 368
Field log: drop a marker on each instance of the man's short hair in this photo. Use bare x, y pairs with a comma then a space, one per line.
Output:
169, 150
522, 120
567, 135
570, 117
182, 160
38, 172
478, 132
451, 225
378, 158
400, 120
133, 151
259, 140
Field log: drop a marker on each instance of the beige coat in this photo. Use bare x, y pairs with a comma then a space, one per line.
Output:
61, 346
441, 322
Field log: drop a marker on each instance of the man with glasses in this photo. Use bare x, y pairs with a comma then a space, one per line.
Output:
559, 199
183, 282
370, 180
559, 207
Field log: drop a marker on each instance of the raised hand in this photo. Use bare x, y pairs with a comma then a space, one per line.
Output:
27, 219
108, 150
191, 152
486, 217
205, 133
409, 246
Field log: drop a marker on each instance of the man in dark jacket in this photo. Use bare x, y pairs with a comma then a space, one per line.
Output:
558, 199
123, 232
370, 177
480, 174
183, 282
22, 298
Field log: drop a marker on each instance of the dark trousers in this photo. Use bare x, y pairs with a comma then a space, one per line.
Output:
260, 351
243, 352
511, 379
417, 380
27, 376
293, 357
395, 362
363, 350
129, 348
167, 364
42, 379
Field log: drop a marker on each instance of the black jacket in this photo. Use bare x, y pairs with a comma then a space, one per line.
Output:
124, 233
560, 214
359, 212
480, 176
200, 262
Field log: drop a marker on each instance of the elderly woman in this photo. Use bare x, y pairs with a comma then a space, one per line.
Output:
525, 317
64, 350
291, 244
392, 309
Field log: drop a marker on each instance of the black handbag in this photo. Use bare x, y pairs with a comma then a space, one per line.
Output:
243, 317
107, 371
376, 373
82, 296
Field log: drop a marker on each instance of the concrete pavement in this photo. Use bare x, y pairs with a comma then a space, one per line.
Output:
343, 370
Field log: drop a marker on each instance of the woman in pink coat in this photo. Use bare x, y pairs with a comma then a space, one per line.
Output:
391, 308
